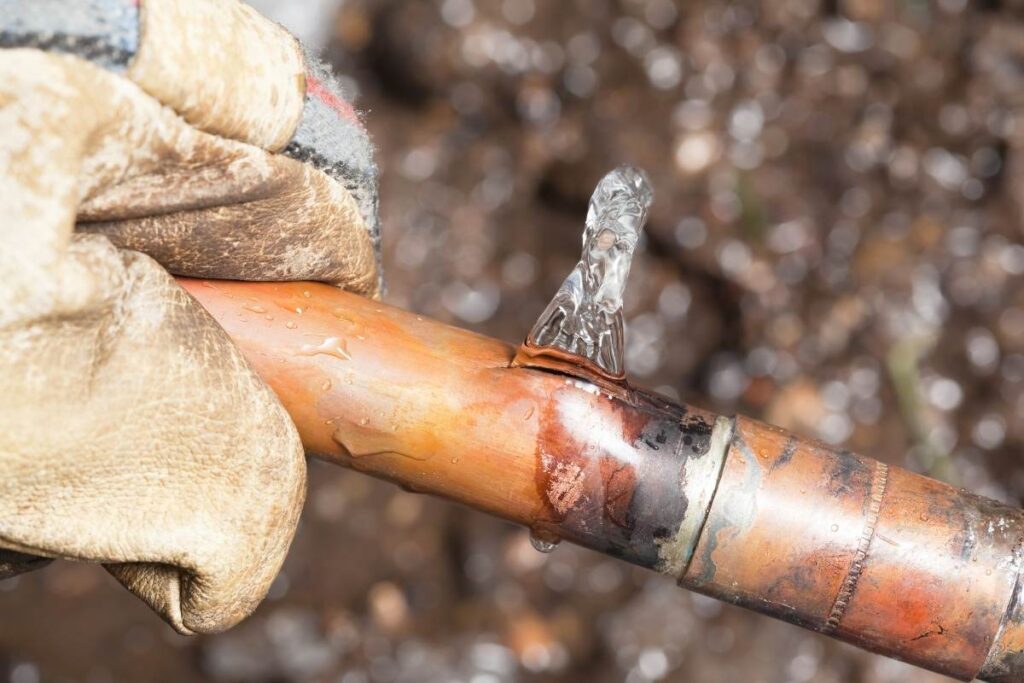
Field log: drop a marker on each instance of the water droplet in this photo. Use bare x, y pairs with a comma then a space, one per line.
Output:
529, 413
340, 314
348, 379
924, 517
357, 451
326, 385
306, 293
455, 461
255, 308
364, 421
835, 527
332, 346
542, 546
268, 316
356, 330
244, 319
543, 543
290, 325
420, 318
299, 309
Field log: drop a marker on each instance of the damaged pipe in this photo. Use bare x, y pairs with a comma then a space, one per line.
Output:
550, 435
869, 553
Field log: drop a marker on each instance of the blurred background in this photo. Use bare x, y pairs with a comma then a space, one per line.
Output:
835, 247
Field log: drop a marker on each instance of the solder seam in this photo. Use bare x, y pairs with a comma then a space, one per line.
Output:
879, 480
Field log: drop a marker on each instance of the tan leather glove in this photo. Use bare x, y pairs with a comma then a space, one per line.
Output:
132, 432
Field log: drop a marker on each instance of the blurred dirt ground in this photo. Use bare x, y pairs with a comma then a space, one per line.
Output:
835, 247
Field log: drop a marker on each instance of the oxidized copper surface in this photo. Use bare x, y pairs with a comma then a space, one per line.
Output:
886, 559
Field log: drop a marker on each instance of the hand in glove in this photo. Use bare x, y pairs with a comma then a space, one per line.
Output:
191, 136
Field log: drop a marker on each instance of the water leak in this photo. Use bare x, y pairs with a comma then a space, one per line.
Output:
585, 316
332, 346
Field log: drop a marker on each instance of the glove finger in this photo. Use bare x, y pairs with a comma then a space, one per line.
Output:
251, 83
135, 434
255, 87
272, 218
131, 429
201, 204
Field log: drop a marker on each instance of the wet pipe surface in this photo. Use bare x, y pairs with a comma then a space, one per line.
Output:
886, 559
616, 482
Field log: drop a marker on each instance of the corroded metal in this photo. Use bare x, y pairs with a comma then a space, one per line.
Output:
622, 476
582, 326
440, 411
872, 554
1005, 661
698, 488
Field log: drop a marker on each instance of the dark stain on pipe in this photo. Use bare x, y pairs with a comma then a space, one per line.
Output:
617, 485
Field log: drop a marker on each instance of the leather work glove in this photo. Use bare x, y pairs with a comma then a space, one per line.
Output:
191, 136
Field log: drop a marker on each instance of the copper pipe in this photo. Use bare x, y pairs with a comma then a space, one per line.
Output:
872, 554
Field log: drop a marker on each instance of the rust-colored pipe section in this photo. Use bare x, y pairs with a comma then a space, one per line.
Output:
872, 554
